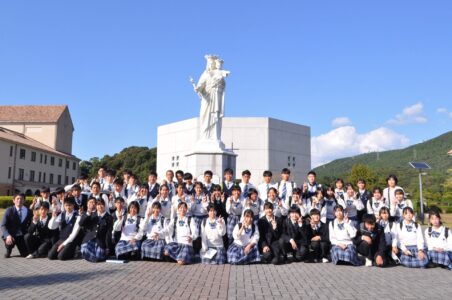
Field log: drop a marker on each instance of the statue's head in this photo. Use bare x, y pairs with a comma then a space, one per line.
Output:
219, 63
211, 64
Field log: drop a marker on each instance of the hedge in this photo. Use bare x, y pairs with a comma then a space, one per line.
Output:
6, 201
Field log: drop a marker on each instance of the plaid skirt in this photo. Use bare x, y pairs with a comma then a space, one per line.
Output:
236, 255
92, 252
231, 222
218, 259
413, 261
198, 222
123, 247
180, 252
153, 249
348, 255
441, 258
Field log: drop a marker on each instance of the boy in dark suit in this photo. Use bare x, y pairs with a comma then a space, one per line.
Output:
14, 226
370, 242
320, 239
153, 186
39, 236
270, 229
296, 236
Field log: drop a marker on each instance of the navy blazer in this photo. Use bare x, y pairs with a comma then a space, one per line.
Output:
97, 228
155, 190
268, 235
301, 235
11, 225
42, 231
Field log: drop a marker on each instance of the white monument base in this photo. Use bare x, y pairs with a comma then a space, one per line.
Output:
217, 162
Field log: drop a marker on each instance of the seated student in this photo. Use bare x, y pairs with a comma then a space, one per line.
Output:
389, 230
120, 212
219, 201
295, 237
342, 233
165, 202
68, 223
180, 196
254, 203
39, 236
438, 242
244, 249
409, 241
181, 231
142, 198
234, 209
370, 241
212, 231
199, 203
188, 187
353, 204
129, 244
15, 223
98, 226
270, 229
398, 204
314, 202
153, 228
376, 203
280, 207
320, 241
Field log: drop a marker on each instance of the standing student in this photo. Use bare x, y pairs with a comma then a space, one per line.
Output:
342, 232
153, 186
165, 203
189, 188
339, 190
98, 226
218, 200
142, 198
245, 185
182, 231
208, 185
320, 241
364, 194
129, 244
45, 196
315, 202
131, 188
228, 183
398, 204
280, 207
311, 187
39, 236
353, 204
298, 201
80, 199
244, 249
438, 242
270, 229
265, 186
234, 209
295, 237
119, 213
285, 187
179, 178
118, 192
254, 203
16, 220
153, 227
389, 191
409, 241
212, 231
68, 223
329, 203
370, 241
180, 196
376, 203
169, 176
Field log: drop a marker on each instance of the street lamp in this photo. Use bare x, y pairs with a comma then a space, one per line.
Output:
420, 166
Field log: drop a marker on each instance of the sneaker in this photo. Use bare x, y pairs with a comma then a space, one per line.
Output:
30, 256
325, 260
368, 263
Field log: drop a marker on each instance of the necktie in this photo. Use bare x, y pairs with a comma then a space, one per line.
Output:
245, 191
268, 188
19, 211
284, 191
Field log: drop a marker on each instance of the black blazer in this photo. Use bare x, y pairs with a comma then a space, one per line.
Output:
155, 190
301, 235
42, 231
378, 246
322, 231
267, 235
97, 228
84, 203
11, 223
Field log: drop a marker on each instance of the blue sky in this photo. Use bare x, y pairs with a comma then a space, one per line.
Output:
383, 68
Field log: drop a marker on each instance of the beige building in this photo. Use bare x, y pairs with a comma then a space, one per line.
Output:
36, 148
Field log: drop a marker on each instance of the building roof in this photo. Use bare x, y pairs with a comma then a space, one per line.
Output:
19, 138
31, 113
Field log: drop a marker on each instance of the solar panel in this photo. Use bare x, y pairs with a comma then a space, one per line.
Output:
420, 165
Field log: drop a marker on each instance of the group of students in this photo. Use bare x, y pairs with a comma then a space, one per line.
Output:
186, 221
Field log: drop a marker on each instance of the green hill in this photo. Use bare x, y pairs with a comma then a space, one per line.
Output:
437, 182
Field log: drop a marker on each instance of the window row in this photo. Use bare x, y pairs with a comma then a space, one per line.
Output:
41, 178
42, 158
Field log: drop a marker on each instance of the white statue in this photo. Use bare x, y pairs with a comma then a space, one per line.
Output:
210, 89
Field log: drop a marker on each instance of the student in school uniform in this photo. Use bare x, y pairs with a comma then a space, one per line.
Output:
132, 187
339, 190
265, 186
370, 241
364, 194
199, 203
376, 203
120, 213
189, 188
285, 187
320, 241
234, 209
295, 237
45, 196
153, 228
353, 204
389, 229
96, 194
98, 226
57, 201
179, 178
311, 187
118, 192
182, 231
68, 223
398, 204
165, 202
219, 201
280, 207
329, 203
389, 191
409, 242
315, 202
244, 249
169, 177
297, 200
180, 196
142, 198
270, 230
39, 237
342, 232
254, 203
80, 199
129, 244
438, 242
245, 185
212, 231
208, 185
153, 186
228, 183
15, 223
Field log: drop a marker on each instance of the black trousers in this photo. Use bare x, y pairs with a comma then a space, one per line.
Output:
275, 251
67, 253
320, 249
21, 246
299, 254
37, 246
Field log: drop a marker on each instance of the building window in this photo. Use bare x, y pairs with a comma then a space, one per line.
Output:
59, 179
33, 156
52, 160
39, 176
45, 159
60, 162
32, 176
44, 177
22, 154
66, 180
74, 166
21, 174
11, 150
40, 158
67, 164
51, 178
9, 172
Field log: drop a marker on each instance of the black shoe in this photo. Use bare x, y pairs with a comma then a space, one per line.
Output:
276, 261
7, 255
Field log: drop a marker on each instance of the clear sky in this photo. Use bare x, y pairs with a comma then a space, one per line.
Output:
364, 75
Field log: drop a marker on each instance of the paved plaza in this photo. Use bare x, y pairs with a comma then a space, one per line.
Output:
41, 278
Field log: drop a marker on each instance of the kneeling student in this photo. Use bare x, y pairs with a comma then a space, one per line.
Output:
212, 231
296, 236
129, 244
270, 229
39, 236
320, 242
438, 242
154, 223
370, 241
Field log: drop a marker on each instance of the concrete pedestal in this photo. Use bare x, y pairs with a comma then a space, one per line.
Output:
217, 162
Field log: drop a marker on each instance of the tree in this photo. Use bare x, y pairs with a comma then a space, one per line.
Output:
361, 171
